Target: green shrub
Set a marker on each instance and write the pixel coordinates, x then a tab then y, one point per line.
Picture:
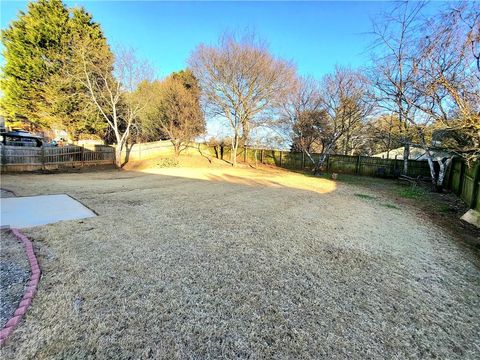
413	192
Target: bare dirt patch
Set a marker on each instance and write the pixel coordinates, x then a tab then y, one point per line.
243	263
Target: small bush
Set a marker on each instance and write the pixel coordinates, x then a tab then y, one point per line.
167	162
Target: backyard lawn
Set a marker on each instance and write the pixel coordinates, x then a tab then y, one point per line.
221	262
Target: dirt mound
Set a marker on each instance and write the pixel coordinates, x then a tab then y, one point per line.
191	161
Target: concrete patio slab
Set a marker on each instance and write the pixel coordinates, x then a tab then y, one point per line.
472	217
29	211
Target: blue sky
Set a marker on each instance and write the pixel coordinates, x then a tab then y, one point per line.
314	35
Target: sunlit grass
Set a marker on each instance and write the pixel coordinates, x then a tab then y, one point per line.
390	206
413	192
181	257
370	197
245	175
446	209
364	196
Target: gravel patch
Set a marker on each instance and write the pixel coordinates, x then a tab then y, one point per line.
14	274
244	263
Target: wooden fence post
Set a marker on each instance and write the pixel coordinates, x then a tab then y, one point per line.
357	165
462	178
281	152
450	174
4	158
475	192
303	160
82	155
244	154
43	158
261	156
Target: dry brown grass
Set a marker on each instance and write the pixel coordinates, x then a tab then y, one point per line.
242	263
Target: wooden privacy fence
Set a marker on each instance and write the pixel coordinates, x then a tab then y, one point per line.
461	179
359	165
17	158
465	182
151	150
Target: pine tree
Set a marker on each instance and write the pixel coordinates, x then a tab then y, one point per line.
68	98
41	80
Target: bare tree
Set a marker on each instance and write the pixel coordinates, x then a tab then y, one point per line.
241	81
303	118
311	134
321	113
304	96
383	133
449	83
394	71
111	87
345	99
173	112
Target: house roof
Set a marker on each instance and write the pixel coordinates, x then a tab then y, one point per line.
20	134
416	153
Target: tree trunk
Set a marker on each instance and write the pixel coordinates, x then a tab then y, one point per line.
233	156
437	180
443	171
245	132
121	141
318	166
406	155
432	171
323	157
389	144
176	148
347	141
311	159
118	155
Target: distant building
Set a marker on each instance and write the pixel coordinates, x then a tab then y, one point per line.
416	153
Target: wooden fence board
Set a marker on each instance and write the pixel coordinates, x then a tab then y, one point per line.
346	164
464	181
15	158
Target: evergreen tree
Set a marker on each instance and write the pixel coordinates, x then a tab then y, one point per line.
41	80
69	99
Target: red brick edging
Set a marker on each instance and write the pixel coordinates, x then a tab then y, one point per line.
29	292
